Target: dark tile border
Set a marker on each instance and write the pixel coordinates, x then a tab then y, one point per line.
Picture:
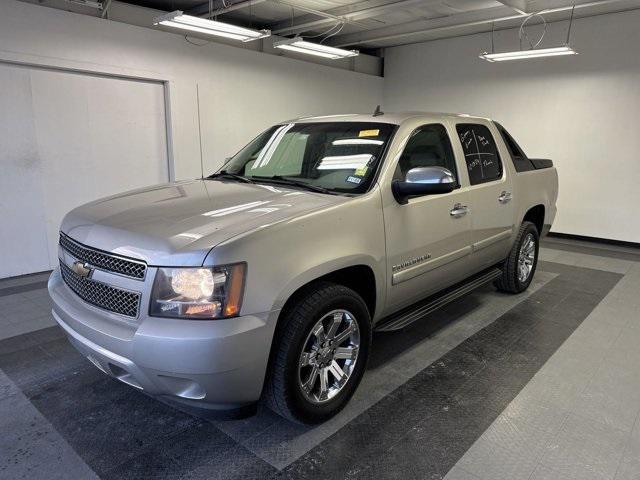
22	288
424	427
586	238
599	250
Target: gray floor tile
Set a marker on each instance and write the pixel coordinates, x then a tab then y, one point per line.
7	387
457	473
31	447
613	313
622	381
600	335
508	449
556	388
605	407
23	311
517	435
45	302
625	351
14	328
530	411
584	444
490	461
572	472
574	364
10	301
629	468
35	294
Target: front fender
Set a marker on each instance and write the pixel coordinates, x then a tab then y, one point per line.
284	256
326	268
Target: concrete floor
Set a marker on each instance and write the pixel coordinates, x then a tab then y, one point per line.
545	384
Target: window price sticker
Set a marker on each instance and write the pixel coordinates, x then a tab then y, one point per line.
369	133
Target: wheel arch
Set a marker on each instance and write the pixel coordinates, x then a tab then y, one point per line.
535	215
360	277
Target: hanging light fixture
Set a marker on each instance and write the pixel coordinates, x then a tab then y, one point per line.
523	54
178	19
534	51
299	45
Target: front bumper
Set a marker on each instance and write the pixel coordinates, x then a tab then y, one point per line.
216	364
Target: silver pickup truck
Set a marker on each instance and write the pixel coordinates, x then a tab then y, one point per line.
265	280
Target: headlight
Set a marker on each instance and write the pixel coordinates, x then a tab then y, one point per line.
203	293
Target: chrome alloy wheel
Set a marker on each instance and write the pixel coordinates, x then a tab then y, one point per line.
329	356
526	257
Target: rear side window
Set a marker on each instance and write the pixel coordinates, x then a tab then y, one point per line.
519	158
480	153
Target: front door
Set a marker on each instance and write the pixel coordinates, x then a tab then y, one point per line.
428	237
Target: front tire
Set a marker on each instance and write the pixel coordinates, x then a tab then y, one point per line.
520	265
320	354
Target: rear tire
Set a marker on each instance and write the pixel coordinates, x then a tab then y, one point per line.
520	266
303	384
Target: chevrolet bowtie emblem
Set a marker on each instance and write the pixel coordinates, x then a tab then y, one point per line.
81	268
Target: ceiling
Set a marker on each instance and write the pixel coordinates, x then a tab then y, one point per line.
373	24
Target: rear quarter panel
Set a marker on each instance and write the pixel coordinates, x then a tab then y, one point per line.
536	187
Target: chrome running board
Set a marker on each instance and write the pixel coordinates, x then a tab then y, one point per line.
416	312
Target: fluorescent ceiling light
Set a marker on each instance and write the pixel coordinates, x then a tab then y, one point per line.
302	46
210	27
522	54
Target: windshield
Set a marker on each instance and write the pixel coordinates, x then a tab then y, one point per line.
337	156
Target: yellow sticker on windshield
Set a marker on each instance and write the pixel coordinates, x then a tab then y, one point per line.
360	172
369	133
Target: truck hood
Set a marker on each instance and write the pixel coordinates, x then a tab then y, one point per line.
178	223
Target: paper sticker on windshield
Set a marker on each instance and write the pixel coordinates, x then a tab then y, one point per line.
369	133
352	179
360	172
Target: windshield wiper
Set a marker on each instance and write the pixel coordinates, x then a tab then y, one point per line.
225	174
290	181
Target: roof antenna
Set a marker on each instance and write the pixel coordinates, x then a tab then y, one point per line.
377	112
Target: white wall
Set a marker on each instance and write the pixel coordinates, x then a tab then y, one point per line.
581	111
66	139
279	87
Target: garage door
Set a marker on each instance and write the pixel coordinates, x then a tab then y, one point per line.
66	139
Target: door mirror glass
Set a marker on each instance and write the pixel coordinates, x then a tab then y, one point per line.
423	181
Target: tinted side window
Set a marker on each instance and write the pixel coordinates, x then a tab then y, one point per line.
512	146
520	160
480	153
428	146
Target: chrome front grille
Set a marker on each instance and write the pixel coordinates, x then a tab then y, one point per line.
101	295
103	260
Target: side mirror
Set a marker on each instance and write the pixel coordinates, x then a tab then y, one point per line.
423	181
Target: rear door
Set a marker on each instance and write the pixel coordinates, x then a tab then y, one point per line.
490	193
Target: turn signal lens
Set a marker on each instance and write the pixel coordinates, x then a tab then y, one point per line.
236	285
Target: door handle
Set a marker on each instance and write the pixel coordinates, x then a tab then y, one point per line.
458	210
505	197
